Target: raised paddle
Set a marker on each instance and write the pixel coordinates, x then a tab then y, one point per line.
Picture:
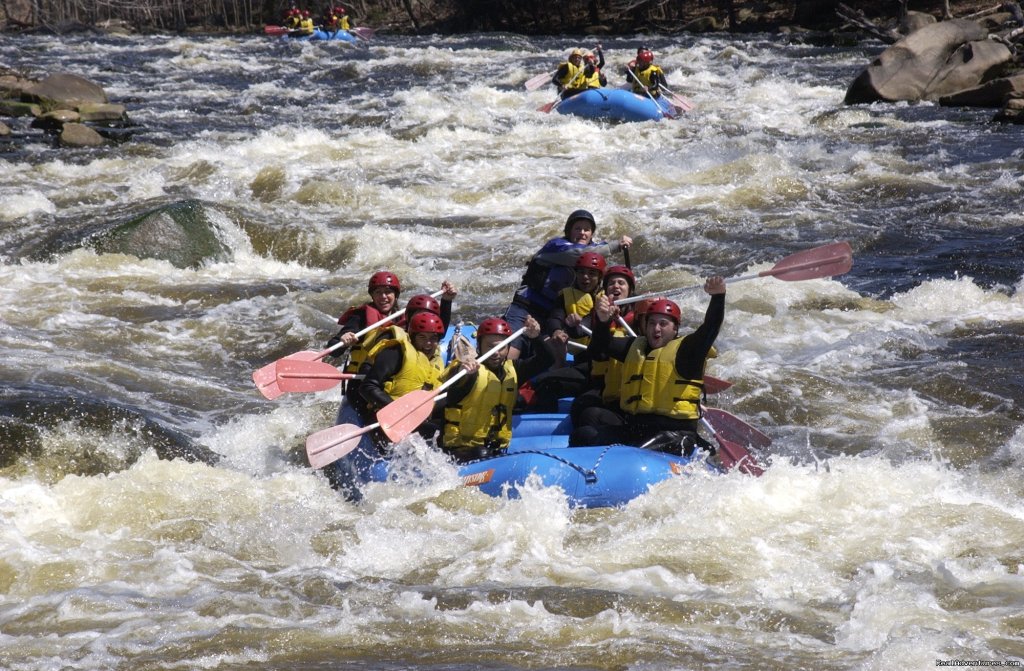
275	31
825	261
736	429
327	446
266	378
733	455
534	83
401	417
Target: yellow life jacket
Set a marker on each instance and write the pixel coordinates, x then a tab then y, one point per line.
651	386
593	81
610	371
574	77
417	371
485	414
343	22
579	302
306	26
645	76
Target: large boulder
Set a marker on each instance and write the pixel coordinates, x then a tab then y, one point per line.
934	60
64	91
990	94
79	135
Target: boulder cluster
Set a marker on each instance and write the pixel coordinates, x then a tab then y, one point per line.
73	109
960	62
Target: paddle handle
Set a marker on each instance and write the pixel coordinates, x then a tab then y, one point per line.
386	320
483	357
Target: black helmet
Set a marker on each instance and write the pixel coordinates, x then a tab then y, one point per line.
579	214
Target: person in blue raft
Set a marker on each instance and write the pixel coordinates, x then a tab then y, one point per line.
552	269
662	381
478	408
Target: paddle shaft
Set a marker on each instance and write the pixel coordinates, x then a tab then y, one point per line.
683	102
397	420
386	320
833	263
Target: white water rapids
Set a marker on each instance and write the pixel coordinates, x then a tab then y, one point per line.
887	532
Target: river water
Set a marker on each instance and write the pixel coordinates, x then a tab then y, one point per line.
273	178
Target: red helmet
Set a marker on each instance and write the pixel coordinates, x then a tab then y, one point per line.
644	55
664	306
493	326
421	302
339	10
305	13
591	260
641	307
426	322
385	279
622	271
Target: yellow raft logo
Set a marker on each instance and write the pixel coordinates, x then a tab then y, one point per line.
478	479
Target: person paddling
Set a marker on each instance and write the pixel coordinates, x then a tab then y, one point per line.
478	409
644	76
401	365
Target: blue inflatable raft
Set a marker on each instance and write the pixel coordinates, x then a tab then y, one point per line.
320	35
591	477
616	105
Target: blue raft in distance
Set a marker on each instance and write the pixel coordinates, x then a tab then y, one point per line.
616	105
320	35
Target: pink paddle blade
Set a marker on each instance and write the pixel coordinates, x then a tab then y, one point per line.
307	376
714	385
733	456
275	30
404	415
363	32
825	261
735	429
265	378
327	446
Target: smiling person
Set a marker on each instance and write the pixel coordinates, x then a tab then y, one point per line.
552	269
478	409
572	316
384	289
662	376
401	365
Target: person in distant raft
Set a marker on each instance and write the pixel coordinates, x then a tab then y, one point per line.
662	379
335	19
402	365
644	76
292	18
478	409
593	61
551	270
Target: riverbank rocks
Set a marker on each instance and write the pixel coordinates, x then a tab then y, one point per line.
1012	112
73	110
936	60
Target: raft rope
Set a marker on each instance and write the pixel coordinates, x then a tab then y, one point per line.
589	474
